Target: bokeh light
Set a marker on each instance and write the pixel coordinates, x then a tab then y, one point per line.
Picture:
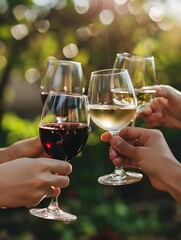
156	14
106	16
32	75
83	33
31	14
19	11
48	3
19	31
42	25
70	50
81	6
3	6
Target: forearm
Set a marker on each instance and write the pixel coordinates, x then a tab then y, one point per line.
5	188
31	148
4	156
173	182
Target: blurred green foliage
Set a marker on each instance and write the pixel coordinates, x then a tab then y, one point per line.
28	35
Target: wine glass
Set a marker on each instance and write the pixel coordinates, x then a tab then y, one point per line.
112	106
143	75
63	131
62	76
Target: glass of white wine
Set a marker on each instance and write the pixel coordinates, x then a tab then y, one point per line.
143	76
112	106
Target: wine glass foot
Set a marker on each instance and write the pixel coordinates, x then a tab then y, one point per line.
55	214
116	180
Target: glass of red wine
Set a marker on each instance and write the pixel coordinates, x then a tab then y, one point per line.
61	76
63	131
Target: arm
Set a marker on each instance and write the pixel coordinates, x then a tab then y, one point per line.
31	147
136	147
165	110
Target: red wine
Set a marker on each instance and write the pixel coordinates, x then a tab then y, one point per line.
63	140
44	96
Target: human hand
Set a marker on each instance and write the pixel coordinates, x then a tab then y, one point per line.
146	149
26	181
165	110
31	147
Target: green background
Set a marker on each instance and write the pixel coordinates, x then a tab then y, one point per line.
28	35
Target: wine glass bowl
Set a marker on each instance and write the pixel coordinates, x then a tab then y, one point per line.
143	76
63	131
62	76
112	106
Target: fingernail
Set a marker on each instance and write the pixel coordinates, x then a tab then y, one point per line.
158	88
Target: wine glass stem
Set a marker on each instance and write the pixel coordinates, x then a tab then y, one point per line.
133	122
54	203
118	172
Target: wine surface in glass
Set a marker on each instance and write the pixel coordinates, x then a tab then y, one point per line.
109	117
63	140
144	98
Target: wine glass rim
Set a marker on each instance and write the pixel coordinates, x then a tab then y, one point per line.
109	71
132	55
77	95
63	61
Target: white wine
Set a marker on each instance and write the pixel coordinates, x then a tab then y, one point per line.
145	97
111	118
122	97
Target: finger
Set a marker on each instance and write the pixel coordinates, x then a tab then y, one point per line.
147	112
60	167
60	181
105	137
123	147
131	133
112	153
120	160
155	118
164	91
53	191
57	191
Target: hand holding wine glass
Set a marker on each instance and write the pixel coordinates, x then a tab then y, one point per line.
63	130
112	106
142	72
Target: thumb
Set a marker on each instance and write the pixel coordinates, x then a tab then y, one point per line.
165	91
